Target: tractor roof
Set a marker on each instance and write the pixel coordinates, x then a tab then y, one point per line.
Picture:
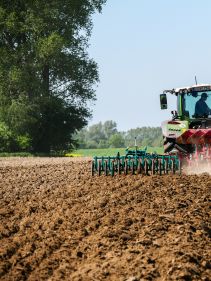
194	88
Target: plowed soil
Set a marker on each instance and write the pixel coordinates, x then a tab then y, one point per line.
59	223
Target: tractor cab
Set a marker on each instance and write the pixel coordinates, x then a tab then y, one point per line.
193	104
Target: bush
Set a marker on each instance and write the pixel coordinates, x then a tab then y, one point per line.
23	143
91	144
5	137
12	143
117	140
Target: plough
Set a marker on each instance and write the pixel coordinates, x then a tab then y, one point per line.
135	162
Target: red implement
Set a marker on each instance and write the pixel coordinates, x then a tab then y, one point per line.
195	136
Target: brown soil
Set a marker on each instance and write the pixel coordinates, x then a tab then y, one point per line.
59	223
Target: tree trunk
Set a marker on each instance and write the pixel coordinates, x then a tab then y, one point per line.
46	80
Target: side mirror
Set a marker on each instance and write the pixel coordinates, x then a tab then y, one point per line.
163	101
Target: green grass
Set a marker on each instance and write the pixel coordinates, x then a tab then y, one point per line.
82	152
15	154
111	151
28	154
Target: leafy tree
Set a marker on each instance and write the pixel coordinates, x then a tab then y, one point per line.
117	140
46	76
5	137
96	132
110	128
80	138
10	142
97	135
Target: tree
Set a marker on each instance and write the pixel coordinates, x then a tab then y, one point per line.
96	132
110	128
117	140
97	135
46	77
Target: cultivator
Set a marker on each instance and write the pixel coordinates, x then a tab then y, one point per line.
187	139
201	156
136	162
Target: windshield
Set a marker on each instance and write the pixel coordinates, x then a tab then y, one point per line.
197	104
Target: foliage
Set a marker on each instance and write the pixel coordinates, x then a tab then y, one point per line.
15	154
10	142
5	137
116	140
146	136
105	135
96	136
46	76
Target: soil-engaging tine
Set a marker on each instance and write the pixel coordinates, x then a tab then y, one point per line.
135	162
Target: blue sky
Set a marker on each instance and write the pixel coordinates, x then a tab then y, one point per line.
143	47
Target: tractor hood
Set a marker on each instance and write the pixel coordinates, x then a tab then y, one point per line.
174	128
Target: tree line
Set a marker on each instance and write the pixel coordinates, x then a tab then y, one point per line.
105	135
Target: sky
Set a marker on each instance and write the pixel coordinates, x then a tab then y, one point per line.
143	47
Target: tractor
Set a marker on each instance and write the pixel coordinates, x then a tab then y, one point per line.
186	138
188	133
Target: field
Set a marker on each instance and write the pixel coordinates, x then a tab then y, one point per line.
111	151
83	152
59	223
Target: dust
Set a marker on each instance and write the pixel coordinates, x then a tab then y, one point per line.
197	168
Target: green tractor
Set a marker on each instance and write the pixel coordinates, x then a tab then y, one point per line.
188	133
187	138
